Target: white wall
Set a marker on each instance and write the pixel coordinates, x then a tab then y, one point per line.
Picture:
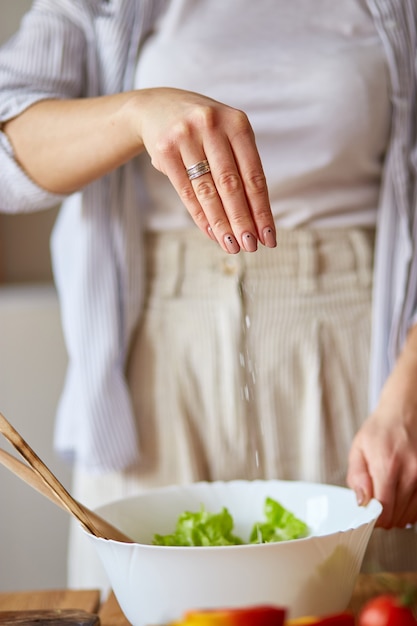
33	532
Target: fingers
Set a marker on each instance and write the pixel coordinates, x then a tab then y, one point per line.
387	480
372	481
241	186
203	203
251	173
218	206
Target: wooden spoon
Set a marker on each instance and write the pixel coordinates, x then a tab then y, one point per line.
39	476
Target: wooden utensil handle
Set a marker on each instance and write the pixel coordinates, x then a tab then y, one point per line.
30	477
24	449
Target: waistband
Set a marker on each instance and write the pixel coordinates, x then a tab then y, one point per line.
307	255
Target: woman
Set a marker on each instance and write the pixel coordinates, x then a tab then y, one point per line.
195	361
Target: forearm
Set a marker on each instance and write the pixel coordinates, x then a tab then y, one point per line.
399	394
64	145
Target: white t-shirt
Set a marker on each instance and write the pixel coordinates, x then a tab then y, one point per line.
311	77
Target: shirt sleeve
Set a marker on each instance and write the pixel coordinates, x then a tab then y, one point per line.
45	59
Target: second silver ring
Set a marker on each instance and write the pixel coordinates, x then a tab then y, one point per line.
198	169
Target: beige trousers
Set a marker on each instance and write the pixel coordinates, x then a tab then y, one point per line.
246	366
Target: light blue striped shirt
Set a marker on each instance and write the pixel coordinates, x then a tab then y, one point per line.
79	48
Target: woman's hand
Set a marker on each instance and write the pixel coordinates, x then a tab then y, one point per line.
180	129
66	144
383	456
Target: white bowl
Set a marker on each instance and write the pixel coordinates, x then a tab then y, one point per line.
310	576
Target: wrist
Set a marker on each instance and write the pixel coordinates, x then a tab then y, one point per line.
127	120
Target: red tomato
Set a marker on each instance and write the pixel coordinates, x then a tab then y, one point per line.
386	610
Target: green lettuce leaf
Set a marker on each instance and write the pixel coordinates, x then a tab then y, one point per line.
280	525
201	529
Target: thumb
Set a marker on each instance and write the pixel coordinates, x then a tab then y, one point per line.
358	477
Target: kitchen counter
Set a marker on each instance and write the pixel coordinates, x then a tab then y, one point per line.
368	585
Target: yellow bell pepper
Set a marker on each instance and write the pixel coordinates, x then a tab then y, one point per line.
345	618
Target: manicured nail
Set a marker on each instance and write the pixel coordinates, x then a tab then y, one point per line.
269	238
249	242
231	244
210	233
360	496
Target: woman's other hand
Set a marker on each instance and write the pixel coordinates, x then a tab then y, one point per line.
383	456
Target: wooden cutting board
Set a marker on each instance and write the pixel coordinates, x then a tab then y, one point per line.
111	614
86	600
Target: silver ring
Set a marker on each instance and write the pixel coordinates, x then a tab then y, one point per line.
198	169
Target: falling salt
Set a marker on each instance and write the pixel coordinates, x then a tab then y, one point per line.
247	390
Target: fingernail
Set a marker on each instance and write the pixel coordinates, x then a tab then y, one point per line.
360	496
210	233
269	238
249	242
231	244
